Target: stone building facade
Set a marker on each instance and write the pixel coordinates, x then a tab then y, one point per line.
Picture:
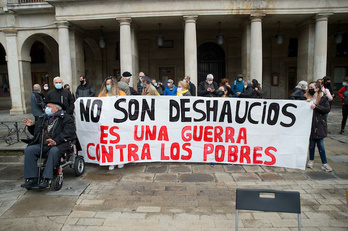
277	42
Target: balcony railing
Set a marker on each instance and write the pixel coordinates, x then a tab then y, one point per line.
23	1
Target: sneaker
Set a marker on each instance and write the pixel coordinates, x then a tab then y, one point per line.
120	166
310	164
111	167
341	132
327	168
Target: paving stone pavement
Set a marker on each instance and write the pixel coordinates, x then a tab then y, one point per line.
174	196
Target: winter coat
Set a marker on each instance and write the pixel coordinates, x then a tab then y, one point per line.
184	93
167	91
124	86
192	89
298	94
64	96
63	131
250	92
85	91
151	90
237	87
343	96
37	104
203	86
319	123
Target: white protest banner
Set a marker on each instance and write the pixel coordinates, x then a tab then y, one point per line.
120	130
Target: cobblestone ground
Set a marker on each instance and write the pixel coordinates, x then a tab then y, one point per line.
162	196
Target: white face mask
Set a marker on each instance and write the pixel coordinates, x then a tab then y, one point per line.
46	88
245	86
179	89
209	82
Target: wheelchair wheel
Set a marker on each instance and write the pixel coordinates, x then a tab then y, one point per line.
79	166
58	182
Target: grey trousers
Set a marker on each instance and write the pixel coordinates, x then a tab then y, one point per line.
32	154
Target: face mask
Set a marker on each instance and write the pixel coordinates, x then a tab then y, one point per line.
58	86
168	84
155	84
179	89
46	88
142	85
245	86
108	87
48	111
240	79
128	78
82	81
209	82
344	84
311	91
184	80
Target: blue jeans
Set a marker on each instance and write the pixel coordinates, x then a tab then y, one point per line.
320	144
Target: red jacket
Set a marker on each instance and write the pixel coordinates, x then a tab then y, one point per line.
341	93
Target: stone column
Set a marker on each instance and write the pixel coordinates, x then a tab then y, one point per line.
191	48
320	46
14	77
245	51
65	71
256	47
135	59
126	61
305	51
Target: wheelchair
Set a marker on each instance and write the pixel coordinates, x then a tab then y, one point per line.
71	159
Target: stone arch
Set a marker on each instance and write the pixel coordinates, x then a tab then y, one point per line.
40	73
5	101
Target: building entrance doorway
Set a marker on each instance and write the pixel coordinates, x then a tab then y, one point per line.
211	60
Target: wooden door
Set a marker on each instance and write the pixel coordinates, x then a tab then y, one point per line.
166	73
292	79
40	78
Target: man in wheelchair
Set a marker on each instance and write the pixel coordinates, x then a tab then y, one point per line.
52	133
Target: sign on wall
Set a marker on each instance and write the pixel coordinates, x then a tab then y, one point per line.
120	130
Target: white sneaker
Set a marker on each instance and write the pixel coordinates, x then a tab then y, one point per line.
310	164
120	165
327	168
111	167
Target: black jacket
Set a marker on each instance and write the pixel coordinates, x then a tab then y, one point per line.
192	89
319	123
298	94
63	131
84	91
202	91
64	96
250	92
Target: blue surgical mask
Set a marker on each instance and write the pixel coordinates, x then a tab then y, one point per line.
48	111
155	84
142	85
168	84
108	87
344	84
58	86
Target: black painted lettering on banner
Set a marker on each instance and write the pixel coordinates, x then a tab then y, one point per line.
288	114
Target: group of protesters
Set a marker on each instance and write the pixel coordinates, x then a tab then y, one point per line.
57	115
320	94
